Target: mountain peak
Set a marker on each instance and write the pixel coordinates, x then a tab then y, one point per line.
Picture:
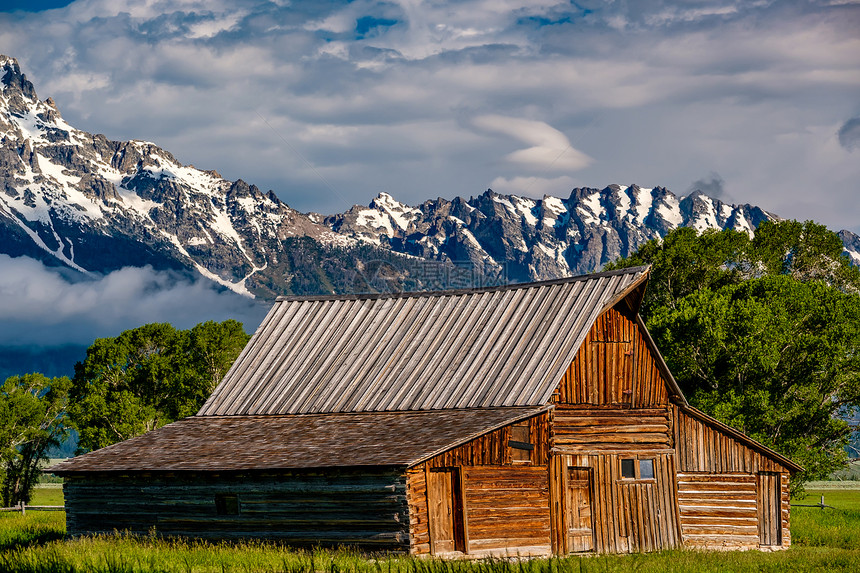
13	80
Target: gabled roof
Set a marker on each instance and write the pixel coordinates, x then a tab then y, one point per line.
269	443
479	348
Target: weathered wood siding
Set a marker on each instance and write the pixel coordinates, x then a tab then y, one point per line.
722	502
612	404
363	508
494	449
718	510
593	430
704	447
614	366
505	502
507	508
630	514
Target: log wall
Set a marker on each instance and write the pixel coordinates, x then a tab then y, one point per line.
366	508
583	429
713	464
614	366
718	510
506	502
507	508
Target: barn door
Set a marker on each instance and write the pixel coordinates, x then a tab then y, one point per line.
580	524
769	519
445	508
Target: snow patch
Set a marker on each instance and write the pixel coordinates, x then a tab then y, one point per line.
525	207
507	204
592	211
375	220
399	213
670	211
644	202
73	196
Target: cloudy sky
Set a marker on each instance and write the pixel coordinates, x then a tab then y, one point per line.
329	103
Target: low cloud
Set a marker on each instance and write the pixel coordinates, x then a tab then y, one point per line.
549	148
849	134
42	306
712	186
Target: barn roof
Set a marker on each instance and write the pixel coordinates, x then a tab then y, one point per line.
260	443
478	348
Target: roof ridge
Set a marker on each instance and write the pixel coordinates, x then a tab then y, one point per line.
450	292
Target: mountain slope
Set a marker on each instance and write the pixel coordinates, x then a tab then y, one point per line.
77	200
529	239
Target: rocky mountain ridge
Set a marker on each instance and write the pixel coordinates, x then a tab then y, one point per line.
73	199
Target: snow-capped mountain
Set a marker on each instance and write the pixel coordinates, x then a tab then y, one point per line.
71	198
531	239
82	201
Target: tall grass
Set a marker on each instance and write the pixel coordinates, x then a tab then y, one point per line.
822	540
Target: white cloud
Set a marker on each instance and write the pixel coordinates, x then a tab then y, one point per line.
648	93
43	306
549	148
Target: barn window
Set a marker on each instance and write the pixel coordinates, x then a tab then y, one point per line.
520	443
646	469
226	504
628	469
637	469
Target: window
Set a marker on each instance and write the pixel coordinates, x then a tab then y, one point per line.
520	443
628	469
226	504
637	469
646	469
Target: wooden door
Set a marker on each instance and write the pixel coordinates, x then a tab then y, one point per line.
445	508
769	518
580	517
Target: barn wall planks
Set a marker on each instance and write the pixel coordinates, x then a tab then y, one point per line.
614	366
494	449
419	524
366	508
718	510
630	514
507	507
505	502
703	447
504	508
710	460
581	429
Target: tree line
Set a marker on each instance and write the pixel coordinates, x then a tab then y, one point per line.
762	332
138	381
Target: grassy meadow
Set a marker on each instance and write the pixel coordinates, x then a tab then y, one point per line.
822	540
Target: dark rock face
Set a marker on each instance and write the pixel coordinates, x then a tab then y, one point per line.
79	200
533	239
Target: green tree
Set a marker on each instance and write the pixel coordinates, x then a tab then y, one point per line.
32	420
774	357
763	333
148	377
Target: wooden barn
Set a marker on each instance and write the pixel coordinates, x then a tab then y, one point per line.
527	419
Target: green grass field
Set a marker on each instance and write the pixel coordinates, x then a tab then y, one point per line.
823	540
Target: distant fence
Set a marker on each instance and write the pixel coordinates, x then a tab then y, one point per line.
24	508
819	505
